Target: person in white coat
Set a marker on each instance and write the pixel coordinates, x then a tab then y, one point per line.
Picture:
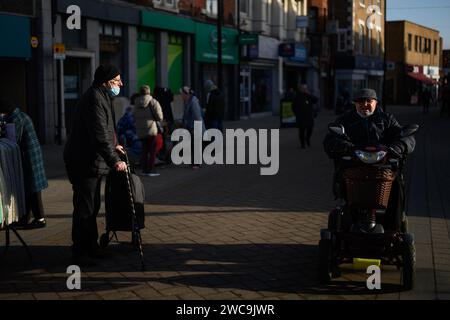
148	115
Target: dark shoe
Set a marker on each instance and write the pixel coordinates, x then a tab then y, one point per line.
18	226
36	224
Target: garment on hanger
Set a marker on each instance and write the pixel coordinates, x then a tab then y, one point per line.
13	190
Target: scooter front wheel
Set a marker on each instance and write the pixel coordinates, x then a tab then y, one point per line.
325	268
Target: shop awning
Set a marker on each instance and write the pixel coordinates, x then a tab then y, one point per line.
421	77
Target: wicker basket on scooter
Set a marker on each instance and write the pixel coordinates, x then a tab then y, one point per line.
368	187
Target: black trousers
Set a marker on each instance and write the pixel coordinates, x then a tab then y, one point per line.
305	133
86	204
34	206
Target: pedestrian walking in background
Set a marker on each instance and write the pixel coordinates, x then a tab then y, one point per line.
303	107
148	115
126	130
215	106
445	97
32	163
91	150
165	98
192	113
426	100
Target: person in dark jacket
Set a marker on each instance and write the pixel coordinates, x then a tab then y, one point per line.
426	100
303	107
368	124
165	98
215	106
90	152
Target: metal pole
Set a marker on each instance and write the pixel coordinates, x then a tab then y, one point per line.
219	44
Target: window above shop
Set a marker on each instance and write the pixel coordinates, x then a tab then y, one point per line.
170	5
245	7
211	8
111	30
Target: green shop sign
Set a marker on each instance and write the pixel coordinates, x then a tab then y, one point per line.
248	38
206	43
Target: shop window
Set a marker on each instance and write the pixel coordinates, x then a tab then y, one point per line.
378	43
269	11
166	4
111	45
244	6
146	58
175	62
361	38
118	31
108	30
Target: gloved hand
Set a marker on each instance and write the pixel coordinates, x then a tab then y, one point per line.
399	147
344	146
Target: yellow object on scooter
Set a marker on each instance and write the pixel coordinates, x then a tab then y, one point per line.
363	264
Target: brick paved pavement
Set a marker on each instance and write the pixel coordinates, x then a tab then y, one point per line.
225	232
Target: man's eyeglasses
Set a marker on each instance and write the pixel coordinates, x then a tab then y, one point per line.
365	100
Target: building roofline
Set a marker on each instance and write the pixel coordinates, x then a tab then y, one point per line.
414	23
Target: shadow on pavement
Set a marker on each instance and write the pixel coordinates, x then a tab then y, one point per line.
278	268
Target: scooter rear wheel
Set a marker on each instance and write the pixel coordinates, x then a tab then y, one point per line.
409	263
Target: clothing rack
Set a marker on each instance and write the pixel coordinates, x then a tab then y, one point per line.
11	188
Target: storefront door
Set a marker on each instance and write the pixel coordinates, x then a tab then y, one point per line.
261	93
77	79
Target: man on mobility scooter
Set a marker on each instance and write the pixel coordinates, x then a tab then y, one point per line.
369	149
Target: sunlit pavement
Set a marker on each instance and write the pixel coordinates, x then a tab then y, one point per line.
226	232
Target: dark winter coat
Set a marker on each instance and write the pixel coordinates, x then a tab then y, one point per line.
90	149
303	107
380	128
215	106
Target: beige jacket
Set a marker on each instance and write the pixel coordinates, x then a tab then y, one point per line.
145	122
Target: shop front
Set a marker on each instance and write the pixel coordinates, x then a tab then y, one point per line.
164	53
417	79
261	72
206	56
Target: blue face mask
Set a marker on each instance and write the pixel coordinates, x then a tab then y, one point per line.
114	91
